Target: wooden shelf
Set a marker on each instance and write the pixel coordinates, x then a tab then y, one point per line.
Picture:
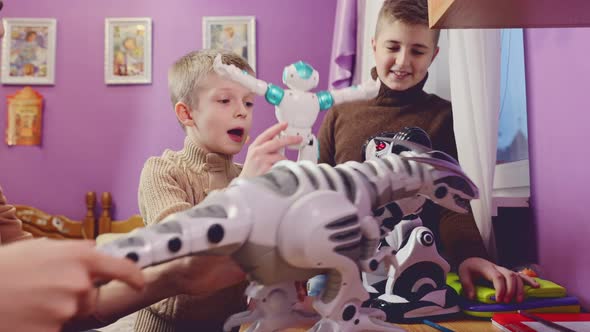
479	14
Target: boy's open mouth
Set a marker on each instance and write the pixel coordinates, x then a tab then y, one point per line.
236	134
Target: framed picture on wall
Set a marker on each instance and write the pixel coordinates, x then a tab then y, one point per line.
28	51
128	50
231	33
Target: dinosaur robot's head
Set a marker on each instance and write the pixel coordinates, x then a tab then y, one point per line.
386	143
412	143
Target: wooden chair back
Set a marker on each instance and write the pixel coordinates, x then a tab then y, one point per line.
42	224
106	224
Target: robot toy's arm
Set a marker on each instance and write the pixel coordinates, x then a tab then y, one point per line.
367	90
242	77
207	229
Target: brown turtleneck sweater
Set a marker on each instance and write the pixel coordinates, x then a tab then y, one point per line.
176	181
346	128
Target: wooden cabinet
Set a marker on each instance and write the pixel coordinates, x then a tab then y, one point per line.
453	14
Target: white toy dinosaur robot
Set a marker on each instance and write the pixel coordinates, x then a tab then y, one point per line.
298	106
297	221
415	287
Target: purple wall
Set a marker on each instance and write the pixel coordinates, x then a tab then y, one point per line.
97	137
558	80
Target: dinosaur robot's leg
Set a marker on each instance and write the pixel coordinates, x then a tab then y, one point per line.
323	231
375	281
273	309
416	285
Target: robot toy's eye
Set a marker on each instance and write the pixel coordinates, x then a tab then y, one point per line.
426	238
380	146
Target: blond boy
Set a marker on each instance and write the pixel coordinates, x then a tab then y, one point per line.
216	115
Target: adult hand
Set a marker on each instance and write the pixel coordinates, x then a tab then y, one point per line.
44	282
10	226
266	149
202	275
508	284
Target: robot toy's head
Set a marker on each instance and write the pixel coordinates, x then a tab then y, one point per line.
300	76
407	139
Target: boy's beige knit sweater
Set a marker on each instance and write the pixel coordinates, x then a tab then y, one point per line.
174	182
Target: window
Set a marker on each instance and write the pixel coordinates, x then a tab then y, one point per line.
512	127
512	165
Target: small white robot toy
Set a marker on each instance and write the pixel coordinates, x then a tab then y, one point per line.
297	221
414	287
297	105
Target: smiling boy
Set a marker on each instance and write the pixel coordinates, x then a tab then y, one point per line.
404	48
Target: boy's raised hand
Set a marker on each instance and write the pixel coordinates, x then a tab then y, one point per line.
45	283
266	149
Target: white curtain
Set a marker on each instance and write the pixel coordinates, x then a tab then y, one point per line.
474	63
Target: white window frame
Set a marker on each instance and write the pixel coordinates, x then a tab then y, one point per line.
512	187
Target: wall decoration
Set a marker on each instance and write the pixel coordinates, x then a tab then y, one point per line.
28	51
128	50
25	113
231	33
